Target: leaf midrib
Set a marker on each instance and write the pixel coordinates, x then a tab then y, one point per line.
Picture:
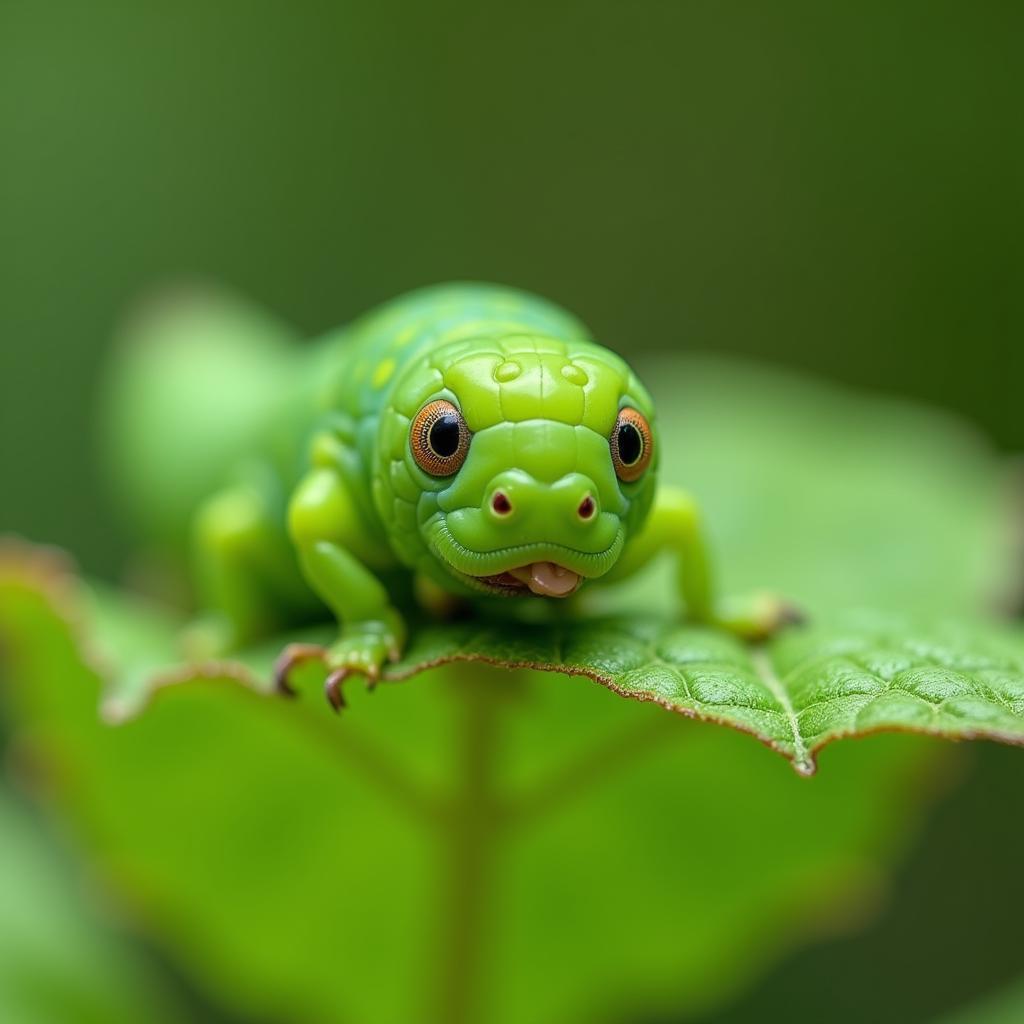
765	670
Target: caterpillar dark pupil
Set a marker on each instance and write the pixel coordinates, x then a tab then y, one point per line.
444	436
631	444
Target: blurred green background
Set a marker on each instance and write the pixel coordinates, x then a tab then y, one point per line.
833	187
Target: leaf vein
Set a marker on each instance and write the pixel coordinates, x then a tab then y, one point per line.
766	672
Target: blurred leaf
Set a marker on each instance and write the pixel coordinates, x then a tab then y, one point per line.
296	863
56	961
836	498
1003	1007
196	337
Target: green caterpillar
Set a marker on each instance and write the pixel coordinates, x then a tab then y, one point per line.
471	435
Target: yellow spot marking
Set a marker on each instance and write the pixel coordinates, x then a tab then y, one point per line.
383	373
407	335
507	371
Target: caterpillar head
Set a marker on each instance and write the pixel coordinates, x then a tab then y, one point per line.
516	466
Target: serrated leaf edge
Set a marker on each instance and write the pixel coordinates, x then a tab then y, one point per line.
50	573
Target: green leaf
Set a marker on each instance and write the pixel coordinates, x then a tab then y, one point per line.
298	865
58	962
805	689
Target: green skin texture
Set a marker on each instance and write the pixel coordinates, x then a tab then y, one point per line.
541	400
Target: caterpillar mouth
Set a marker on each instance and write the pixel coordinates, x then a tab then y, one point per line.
541	569
546	579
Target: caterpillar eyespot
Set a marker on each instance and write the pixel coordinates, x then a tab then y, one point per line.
439	438
632	445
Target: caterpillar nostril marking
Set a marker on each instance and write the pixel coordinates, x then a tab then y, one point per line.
501	504
587	508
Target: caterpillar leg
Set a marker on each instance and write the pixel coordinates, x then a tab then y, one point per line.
249	581
334	551
675	524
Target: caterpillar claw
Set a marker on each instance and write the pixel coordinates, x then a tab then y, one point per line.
290	658
333	688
